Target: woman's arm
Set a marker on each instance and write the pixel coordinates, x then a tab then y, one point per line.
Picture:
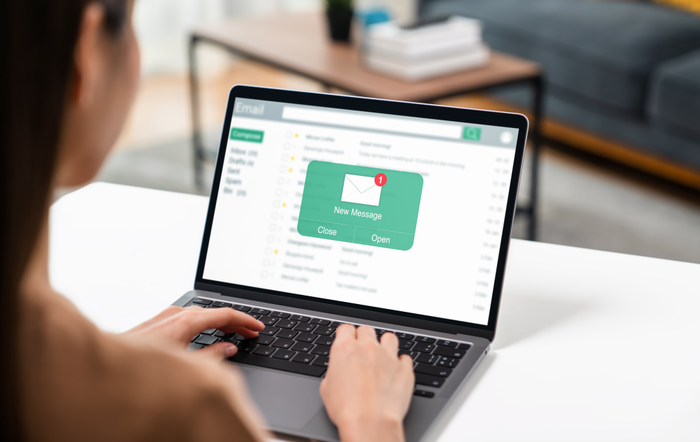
367	389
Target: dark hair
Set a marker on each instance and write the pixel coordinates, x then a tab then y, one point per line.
37	42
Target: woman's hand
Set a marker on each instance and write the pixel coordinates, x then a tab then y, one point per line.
367	389
178	326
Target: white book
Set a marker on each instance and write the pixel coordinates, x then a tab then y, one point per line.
418	71
453	28
423	52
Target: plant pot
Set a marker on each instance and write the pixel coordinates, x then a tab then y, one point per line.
339	23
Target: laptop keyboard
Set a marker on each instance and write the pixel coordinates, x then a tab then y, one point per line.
301	344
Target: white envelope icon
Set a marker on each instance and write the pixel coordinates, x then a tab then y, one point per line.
361	190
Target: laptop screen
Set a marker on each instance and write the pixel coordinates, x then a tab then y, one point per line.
392	212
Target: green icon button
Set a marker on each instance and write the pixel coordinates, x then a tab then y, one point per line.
471	133
360	205
248	135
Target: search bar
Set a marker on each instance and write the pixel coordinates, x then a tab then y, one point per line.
377	122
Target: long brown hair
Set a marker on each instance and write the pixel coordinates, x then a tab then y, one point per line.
37	42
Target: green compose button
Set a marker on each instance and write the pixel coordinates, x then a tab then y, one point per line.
317	229
251	136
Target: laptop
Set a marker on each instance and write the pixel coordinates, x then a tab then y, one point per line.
329	209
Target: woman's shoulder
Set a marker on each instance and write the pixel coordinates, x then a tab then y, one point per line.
84	384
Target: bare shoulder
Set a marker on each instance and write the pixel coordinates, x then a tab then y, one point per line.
82	384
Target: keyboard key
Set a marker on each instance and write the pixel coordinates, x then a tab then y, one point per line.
263	350
287	334
206	340
320	361
444	343
209	331
279	364
256	316
219	304
405	336
269	331
423	393
304	327
424	348
283	354
267	320
202	301
299	318
324	340
450	352
285	323
283	343
412	354
303	347
321	350
240	308
319	321
237	337
263	340
405	344
379	331
279	315
426	379
447	362
336	324
427	358
219	334
306	337
463	346
192	346
302	358
432	370
425	339
246	347
260	311
321	330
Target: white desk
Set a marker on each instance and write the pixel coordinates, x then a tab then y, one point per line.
590	345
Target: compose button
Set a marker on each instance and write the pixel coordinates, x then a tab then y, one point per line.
248	135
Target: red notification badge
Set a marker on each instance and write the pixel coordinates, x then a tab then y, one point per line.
380	179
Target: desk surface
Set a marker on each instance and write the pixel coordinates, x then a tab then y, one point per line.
590	345
299	43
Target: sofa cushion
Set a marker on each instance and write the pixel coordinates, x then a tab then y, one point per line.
674	99
599	52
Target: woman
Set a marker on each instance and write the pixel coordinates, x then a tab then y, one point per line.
70	71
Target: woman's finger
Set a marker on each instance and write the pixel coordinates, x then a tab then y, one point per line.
344	331
220	350
365	333
390	343
194	321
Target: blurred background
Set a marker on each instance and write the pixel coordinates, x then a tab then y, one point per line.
619	171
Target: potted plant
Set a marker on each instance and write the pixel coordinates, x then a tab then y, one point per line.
339	13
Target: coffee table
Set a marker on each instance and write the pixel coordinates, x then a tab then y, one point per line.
298	43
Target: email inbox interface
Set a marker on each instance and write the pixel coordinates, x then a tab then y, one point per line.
385	220
360	205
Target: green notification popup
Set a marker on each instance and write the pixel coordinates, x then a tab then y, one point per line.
360	205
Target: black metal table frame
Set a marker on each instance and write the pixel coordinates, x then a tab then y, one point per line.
536	83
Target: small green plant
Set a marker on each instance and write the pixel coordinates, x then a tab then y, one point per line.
339	5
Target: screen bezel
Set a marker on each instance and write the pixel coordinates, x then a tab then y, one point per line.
377	106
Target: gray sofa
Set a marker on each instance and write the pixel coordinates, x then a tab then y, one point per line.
627	71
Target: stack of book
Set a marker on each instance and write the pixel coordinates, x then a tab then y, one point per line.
425	50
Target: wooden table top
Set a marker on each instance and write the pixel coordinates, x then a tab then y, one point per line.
299	43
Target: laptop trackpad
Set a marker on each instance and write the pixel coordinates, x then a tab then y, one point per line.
285	401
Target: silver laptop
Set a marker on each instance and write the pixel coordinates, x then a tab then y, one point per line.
330	209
